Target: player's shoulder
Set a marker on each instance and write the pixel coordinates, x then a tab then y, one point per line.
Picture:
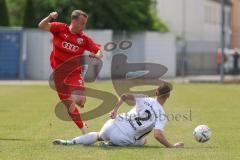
144	99
84	35
155	104
149	99
141	97
158	107
59	25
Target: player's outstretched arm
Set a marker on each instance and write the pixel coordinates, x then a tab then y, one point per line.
45	23
122	99
159	136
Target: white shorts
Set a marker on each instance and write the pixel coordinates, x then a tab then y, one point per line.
110	132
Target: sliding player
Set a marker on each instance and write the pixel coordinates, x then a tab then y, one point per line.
70	41
131	128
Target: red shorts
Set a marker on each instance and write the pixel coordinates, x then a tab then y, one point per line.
74	80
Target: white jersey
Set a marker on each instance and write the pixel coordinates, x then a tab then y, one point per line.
139	121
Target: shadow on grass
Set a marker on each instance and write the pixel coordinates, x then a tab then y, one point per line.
117	147
13	139
129	147
113	147
142	147
199	147
155	147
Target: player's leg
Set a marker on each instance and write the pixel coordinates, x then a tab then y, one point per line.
106	130
140	142
87	139
117	138
80	100
111	133
73	112
90	138
74	80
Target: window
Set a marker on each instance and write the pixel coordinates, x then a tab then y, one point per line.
212	14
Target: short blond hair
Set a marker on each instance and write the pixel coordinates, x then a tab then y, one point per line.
76	13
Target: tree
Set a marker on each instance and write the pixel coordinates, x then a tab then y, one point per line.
130	15
3	14
15	9
29	12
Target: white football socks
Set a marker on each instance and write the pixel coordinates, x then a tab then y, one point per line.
89	138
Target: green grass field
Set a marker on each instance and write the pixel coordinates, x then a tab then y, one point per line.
28	125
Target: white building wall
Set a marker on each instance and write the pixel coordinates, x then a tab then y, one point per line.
103	37
212	22
194	13
151	47
199	23
195	17
171	12
38	49
160	49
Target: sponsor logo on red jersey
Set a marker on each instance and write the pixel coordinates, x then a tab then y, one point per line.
70	46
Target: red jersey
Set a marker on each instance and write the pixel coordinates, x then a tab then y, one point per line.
67	45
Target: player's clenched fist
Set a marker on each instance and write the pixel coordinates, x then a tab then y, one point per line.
113	114
53	15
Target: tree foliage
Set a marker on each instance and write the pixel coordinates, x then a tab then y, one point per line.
131	15
3	14
28	18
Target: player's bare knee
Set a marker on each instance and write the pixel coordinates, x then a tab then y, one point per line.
79	100
69	104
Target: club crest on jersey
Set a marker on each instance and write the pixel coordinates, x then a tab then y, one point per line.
80	40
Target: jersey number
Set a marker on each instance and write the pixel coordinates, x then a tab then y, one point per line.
139	119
